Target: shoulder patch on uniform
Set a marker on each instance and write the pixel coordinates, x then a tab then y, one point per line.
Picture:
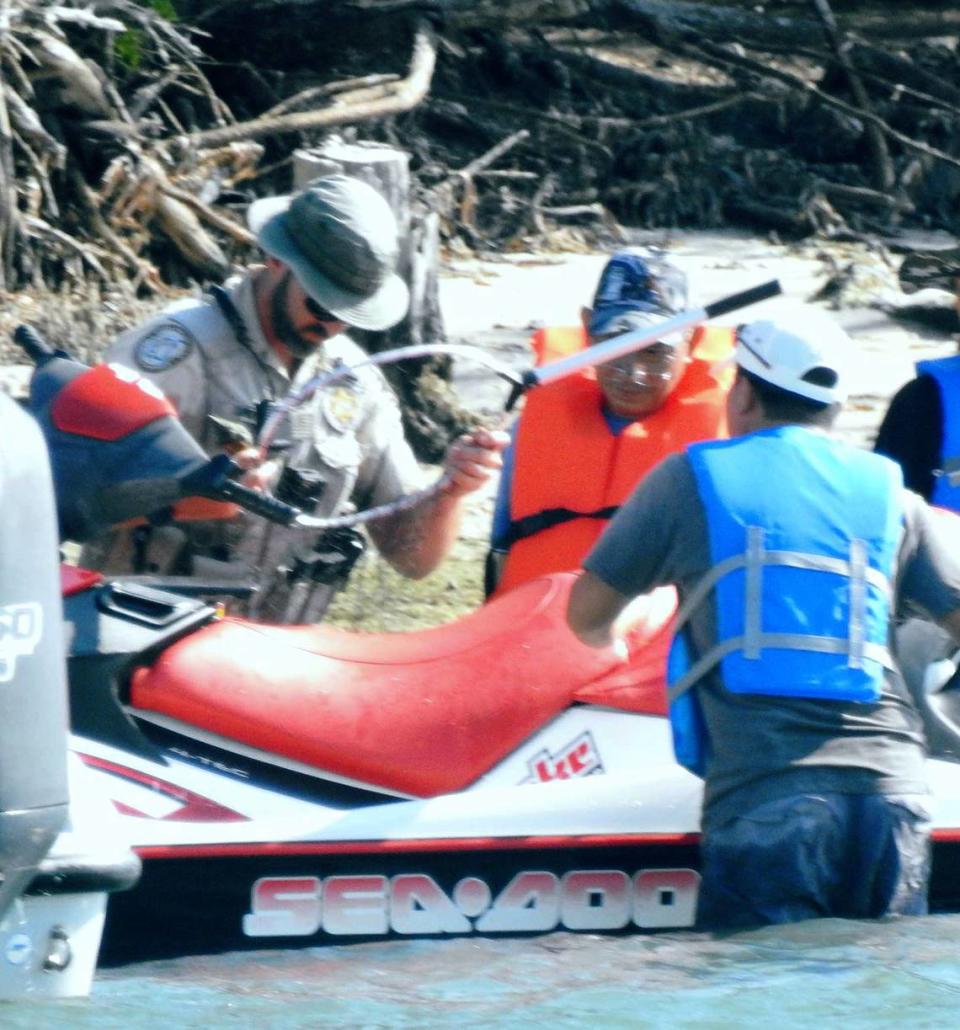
163	347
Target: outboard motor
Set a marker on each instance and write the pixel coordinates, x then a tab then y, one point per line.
33	689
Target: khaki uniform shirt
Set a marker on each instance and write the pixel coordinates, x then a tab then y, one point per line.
350	431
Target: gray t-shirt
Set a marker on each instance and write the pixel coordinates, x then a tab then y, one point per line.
762	748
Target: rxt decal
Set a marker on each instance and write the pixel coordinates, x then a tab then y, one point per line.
579	757
21	626
414	904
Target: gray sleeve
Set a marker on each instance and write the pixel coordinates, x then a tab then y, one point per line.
178	369
929	574
658	536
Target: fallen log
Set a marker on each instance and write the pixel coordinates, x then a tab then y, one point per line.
861	195
179	222
754	26
405	94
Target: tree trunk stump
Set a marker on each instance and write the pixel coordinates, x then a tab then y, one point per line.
431	413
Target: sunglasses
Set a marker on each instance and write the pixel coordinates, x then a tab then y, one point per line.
319	313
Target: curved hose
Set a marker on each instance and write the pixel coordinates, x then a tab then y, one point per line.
303	393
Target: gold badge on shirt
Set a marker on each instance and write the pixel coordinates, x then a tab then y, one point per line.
341	405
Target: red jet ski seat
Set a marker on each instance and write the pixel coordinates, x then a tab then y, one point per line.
419	713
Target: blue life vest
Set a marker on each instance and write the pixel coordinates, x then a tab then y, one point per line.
946	374
803	534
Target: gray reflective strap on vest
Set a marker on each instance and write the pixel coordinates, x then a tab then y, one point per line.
855	569
753	593
951	469
857	628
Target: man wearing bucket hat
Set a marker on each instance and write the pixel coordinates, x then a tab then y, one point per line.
582	443
331	251
792	553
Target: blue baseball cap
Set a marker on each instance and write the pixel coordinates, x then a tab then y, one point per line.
631	282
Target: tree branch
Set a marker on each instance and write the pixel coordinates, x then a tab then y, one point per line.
406	95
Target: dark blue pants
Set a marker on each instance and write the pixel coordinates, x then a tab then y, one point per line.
855	856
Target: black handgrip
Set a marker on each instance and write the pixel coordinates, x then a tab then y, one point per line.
37	348
215	480
264	505
741	300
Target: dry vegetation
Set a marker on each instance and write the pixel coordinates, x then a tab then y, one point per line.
134	135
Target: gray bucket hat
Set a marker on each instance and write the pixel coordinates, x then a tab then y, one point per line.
339	237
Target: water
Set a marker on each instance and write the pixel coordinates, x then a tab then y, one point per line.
903	973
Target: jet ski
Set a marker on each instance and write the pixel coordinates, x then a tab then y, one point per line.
292	785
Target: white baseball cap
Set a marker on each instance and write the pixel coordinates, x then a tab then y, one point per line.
786	355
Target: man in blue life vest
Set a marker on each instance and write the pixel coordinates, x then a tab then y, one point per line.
582	443
920	430
921	427
793	553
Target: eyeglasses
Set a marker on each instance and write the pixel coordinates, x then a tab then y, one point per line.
319	313
657	359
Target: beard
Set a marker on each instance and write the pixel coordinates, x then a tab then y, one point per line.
286	331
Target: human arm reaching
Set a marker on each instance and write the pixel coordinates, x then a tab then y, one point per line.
416	541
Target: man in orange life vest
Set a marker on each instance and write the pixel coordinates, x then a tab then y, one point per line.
582	443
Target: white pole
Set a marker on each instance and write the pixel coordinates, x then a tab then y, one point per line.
638	339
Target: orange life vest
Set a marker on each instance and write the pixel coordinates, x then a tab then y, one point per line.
570	473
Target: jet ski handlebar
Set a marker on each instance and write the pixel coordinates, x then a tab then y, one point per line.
215	481
37	348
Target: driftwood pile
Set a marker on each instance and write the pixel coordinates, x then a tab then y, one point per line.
132	136
94	165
